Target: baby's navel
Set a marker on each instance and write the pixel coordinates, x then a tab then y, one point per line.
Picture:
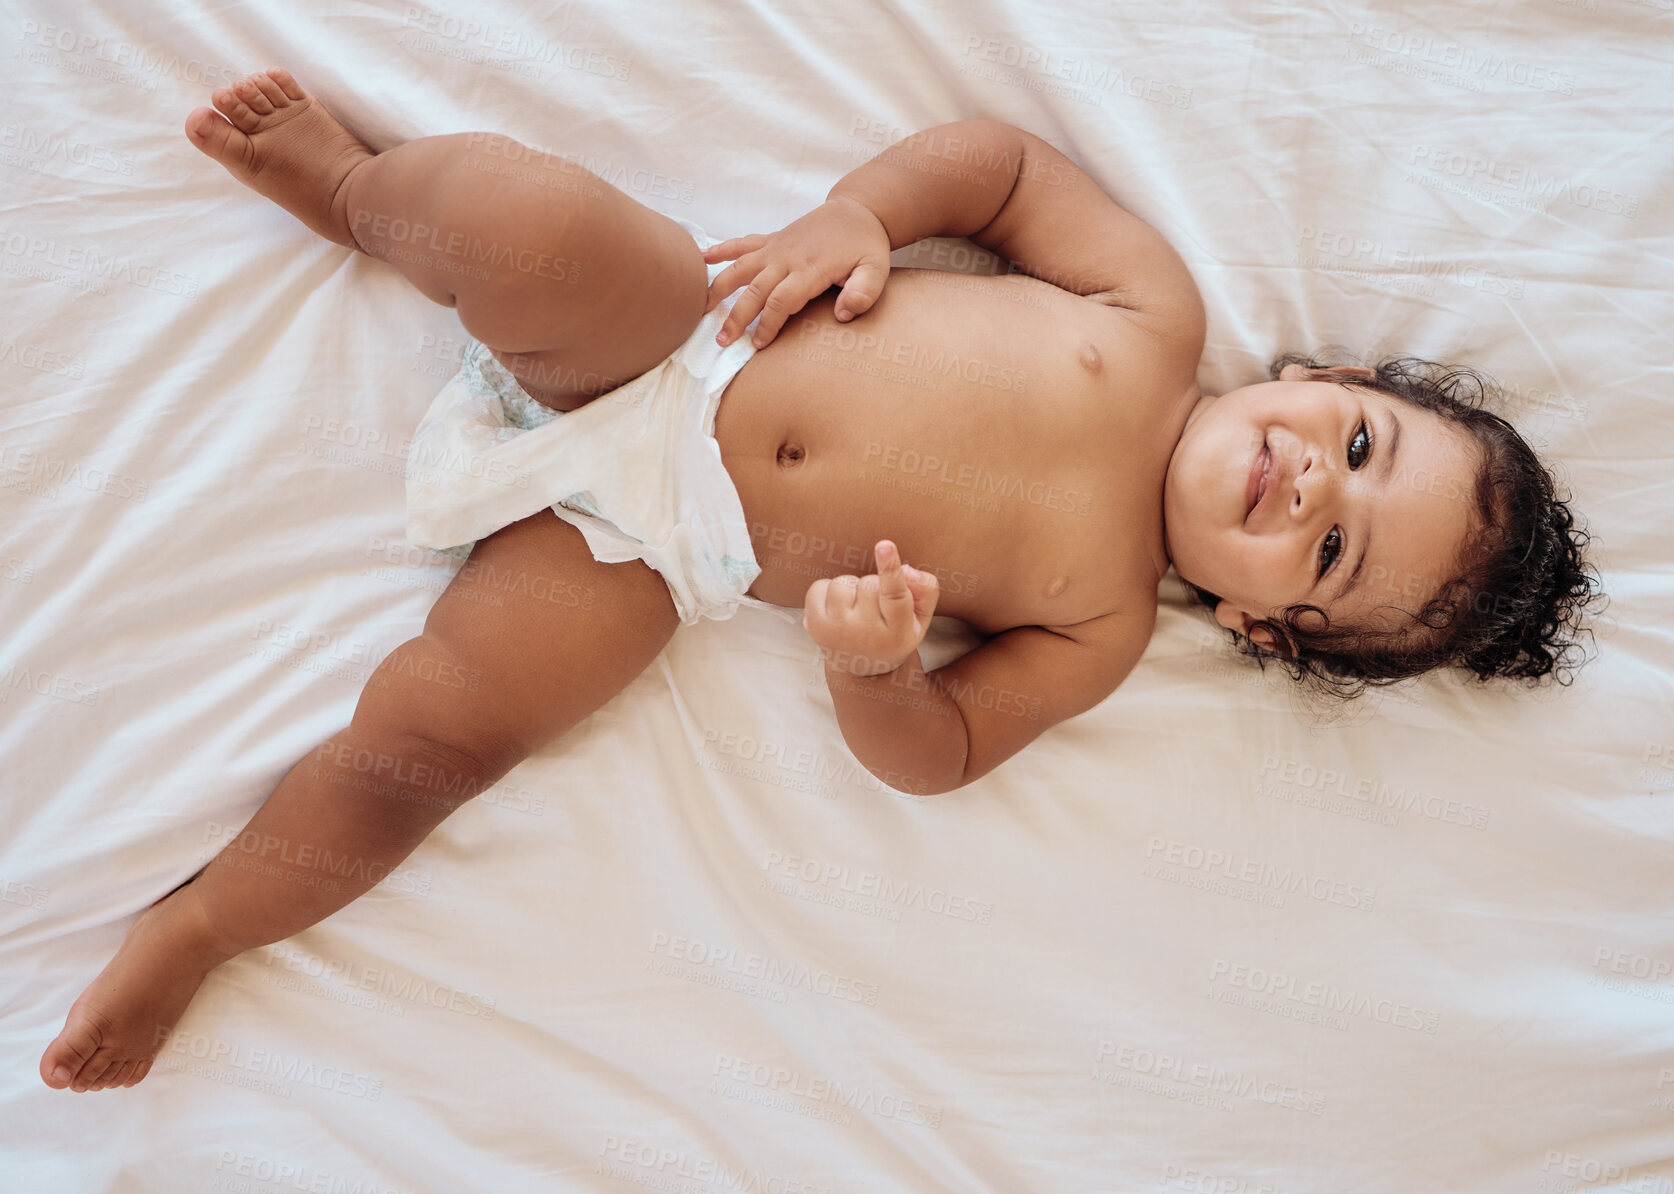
790	455
1057	585
1091	361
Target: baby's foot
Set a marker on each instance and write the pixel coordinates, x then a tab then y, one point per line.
115	1029
282	143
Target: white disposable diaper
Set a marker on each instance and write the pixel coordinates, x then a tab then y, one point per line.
636	470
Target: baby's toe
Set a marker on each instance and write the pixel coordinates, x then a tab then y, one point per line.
271	91
253	97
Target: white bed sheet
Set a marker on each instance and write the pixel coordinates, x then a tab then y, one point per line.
693	946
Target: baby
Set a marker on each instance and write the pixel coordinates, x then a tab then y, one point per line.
1034	444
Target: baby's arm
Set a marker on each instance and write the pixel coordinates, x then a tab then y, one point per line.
930	732
1014	194
1005	189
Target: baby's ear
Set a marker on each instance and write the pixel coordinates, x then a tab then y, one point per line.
1234	618
1263	638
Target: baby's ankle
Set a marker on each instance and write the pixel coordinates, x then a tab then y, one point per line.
186	929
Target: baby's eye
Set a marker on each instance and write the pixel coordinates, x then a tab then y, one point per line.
1364	432
1333	544
1328	550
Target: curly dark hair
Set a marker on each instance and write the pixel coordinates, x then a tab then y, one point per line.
1521	585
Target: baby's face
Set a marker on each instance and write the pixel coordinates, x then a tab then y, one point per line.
1365	502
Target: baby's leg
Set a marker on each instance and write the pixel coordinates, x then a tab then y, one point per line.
576	287
530	637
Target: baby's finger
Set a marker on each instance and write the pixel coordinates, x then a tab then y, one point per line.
813	601
749	304
925	592
865	284
789	297
895	599
888	557
840	596
726	250
729	280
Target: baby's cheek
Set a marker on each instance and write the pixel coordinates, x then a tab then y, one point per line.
1276	576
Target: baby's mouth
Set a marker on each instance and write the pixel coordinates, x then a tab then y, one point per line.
1256	488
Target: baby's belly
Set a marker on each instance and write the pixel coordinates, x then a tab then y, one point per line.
977	445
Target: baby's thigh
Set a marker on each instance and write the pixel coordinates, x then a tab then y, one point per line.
542	634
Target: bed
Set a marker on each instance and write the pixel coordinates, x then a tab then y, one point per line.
1199	940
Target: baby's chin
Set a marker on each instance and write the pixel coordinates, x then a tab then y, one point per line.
1196	548
1184	529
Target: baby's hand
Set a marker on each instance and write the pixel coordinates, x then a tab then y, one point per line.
838	243
869	625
